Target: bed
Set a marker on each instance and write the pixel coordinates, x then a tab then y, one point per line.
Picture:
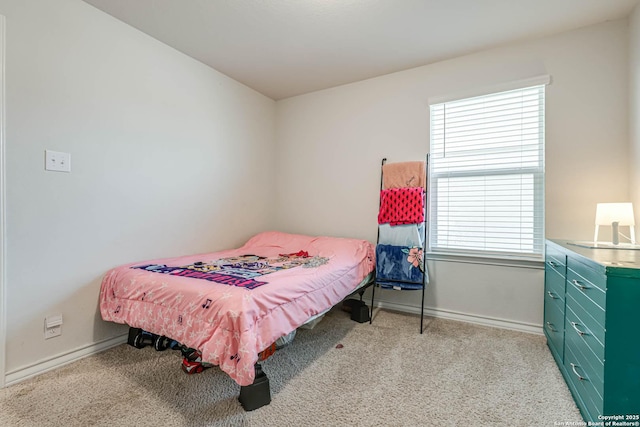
233	304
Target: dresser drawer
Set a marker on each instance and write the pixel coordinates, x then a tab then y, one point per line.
554	298
588	273
554	325
585	286
584	326
581	297
578	335
555	259
581	381
554	283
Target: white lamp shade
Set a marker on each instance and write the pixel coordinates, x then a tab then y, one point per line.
607	213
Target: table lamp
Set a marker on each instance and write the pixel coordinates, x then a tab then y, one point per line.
615	215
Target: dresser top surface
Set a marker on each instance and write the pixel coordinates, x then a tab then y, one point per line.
621	261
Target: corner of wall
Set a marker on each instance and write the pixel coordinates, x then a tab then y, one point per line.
634	106
3	303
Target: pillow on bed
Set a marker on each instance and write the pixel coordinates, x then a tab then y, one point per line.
281	240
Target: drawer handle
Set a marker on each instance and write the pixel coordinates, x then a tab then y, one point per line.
575	326
573	368
580	285
551	328
551	294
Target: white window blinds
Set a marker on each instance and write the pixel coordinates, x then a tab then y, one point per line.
486	186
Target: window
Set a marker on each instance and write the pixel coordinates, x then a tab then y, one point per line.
486	186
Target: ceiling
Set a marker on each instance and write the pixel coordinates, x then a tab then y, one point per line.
283	48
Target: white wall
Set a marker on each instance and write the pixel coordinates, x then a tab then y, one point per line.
330	144
168	157
634	108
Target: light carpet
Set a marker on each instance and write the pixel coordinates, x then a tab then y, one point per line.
384	374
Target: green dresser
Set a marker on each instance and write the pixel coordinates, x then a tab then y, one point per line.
592	325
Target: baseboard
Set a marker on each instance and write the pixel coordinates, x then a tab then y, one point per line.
464	317
46	365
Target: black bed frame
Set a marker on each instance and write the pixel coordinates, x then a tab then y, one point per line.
258	394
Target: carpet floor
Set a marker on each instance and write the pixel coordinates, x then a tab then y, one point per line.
341	373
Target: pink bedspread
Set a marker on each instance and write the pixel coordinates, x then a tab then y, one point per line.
233	304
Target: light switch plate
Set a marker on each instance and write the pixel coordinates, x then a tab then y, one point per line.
57	161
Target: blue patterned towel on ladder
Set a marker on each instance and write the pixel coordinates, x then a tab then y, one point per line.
399	267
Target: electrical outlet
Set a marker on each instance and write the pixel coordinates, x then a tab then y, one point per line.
52	332
57	161
52	326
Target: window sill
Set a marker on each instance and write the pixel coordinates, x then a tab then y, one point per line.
519	262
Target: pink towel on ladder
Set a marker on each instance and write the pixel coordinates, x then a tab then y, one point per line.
401	206
403	174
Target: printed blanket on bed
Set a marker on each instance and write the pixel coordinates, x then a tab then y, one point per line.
398	266
233	304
